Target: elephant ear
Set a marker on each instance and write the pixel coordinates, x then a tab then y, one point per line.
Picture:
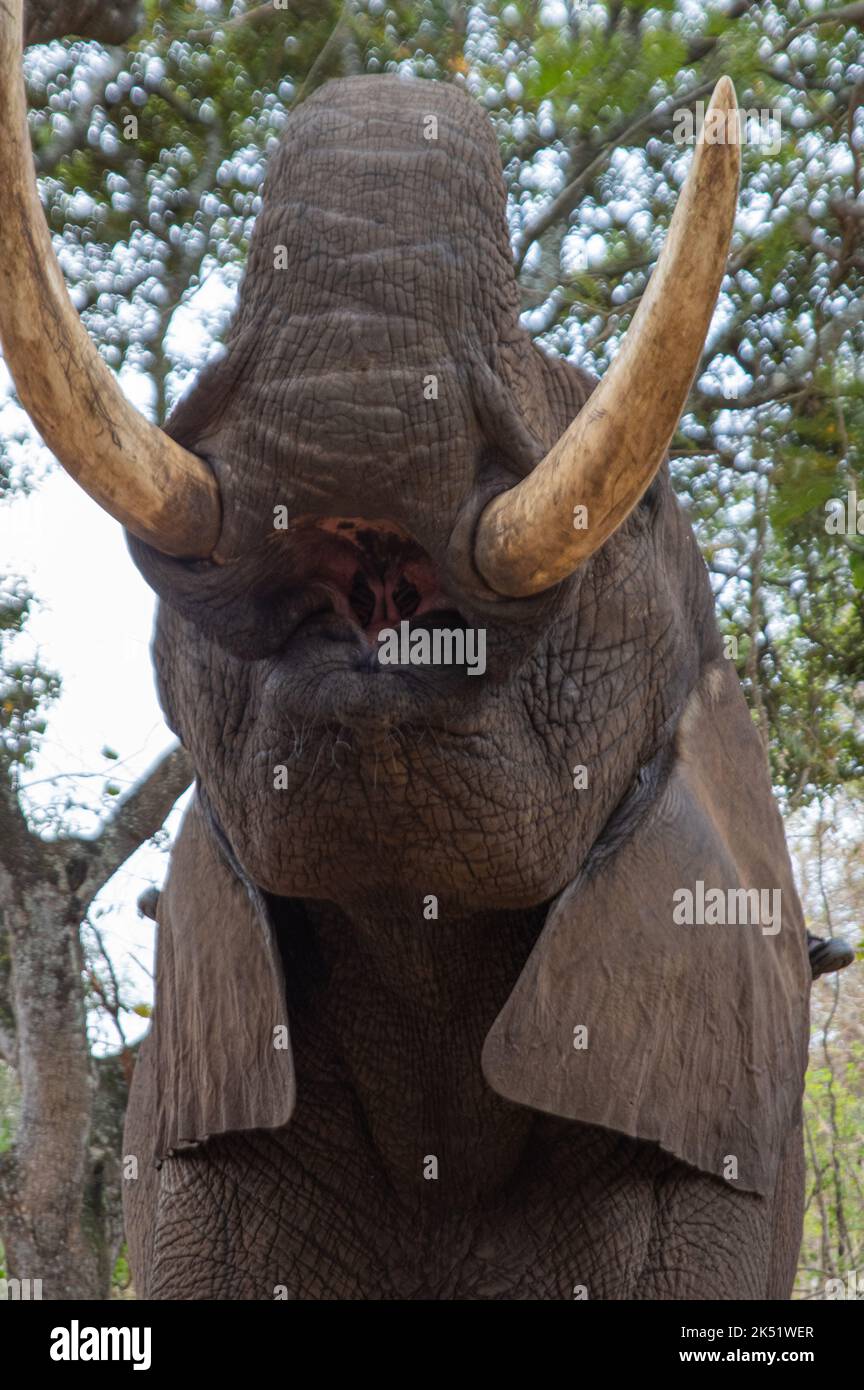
695	1035
220	1031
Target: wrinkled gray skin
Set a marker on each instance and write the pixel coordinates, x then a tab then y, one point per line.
402	785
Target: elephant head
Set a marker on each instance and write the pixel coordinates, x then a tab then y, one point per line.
381	443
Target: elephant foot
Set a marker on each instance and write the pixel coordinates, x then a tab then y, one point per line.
828	956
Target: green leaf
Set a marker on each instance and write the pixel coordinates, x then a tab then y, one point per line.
804	490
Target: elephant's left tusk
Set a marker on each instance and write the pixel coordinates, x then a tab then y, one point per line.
604	461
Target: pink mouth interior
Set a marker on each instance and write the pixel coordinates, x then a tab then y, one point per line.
374	572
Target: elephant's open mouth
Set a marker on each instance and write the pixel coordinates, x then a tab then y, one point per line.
377	640
372	578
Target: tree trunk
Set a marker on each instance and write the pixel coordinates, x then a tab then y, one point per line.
45	1185
60	1185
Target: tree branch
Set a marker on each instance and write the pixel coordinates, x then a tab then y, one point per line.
89	864
847	14
21	852
340	30
107	21
255	19
567	199
698	48
827	342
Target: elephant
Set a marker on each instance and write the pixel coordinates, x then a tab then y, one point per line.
431	1021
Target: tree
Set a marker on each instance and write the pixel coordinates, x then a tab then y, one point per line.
60	1178
829	855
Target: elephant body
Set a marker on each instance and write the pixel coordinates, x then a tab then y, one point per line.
465	983
338	1204
599	1217
425	1024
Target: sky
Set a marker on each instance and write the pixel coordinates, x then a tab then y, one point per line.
92	624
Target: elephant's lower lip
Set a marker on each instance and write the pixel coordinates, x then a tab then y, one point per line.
336	630
328	674
332	627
